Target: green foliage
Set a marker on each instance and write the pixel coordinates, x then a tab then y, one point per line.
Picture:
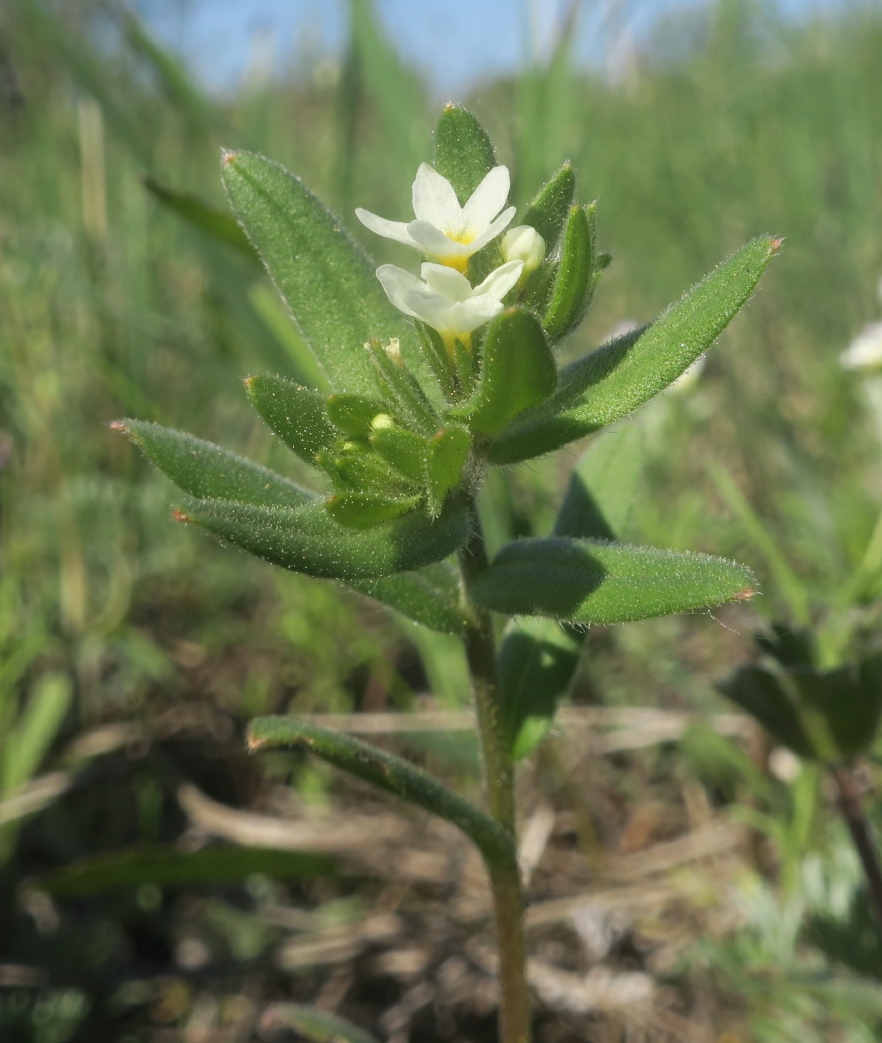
327	282
388	772
550	208
312	1024
464	153
305	539
517	372
831	716
593	581
612	381
168	867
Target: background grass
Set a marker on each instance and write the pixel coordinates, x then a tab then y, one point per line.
730	124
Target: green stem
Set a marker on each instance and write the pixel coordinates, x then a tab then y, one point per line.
505	880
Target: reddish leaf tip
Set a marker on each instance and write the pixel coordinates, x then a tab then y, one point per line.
118	425
228	155
179	515
744	595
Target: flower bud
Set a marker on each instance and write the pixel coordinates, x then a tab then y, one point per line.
524	243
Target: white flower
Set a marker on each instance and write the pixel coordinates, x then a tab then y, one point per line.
443	229
524	243
444	299
865	351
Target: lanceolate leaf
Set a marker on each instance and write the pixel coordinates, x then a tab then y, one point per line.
430	596
537	661
601	490
205	470
613	380
388	772
463	152
575	277
305	539
548	211
517	371
295	413
593	581
220	226
326	279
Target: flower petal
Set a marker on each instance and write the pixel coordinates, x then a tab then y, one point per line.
434	242
435	201
401	287
467	316
447	281
486	201
501	279
493	229
397	230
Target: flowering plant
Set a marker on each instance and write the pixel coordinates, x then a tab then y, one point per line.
430	381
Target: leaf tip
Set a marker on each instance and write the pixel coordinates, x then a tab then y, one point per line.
120	426
180	516
744	595
775	245
227	156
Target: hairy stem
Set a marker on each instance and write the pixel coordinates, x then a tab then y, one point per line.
505	880
852	811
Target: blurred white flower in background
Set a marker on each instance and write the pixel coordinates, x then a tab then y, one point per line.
865	351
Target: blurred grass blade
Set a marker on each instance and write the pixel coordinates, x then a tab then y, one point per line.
168	866
29	737
610	382
213	222
271	311
387	772
601	491
306	539
788	583
396	90
182	93
204	470
279	1020
593	581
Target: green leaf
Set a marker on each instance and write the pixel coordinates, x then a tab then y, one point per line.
592	581
204	470
549	210
612	381
601	490
387	772
537	661
841	708
213	222
576	275
326	279
401	449
463	152
305	539
298	415
430	596
363	511
168	866
760	693
517	371
448	452
352	414
309	1023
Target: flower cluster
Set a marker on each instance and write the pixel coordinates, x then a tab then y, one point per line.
451	234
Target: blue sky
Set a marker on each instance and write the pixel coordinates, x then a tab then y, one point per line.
454	42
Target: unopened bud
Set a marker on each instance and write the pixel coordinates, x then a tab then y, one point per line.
382	422
393	350
524	243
